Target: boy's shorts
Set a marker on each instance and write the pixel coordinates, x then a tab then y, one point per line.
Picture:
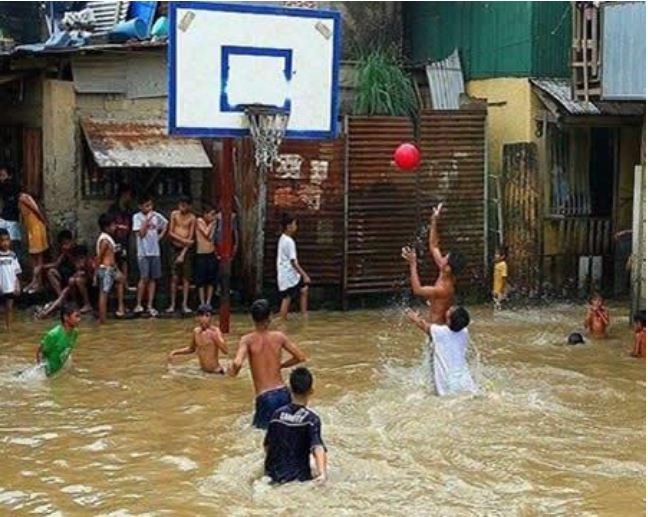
183	269
150	268
293	291
7	296
267	403
206	270
106	278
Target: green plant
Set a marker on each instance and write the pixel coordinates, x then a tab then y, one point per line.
383	88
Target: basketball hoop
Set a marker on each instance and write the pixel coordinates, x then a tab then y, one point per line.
267	129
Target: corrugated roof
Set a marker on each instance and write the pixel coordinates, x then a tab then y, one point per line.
446	82
143	143
559	90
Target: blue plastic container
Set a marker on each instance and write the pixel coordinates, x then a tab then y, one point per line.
145	11
131	29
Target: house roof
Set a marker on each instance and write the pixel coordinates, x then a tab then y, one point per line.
141	144
558	91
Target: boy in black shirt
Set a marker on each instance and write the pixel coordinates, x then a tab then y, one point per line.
294	434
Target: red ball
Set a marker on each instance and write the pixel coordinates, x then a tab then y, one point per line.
407	157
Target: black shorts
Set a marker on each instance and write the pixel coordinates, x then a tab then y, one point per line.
7	296
293	291
206	272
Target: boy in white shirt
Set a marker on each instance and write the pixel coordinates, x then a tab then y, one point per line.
149	227
9	271
449	346
291	277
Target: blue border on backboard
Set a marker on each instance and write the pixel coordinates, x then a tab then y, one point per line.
229	50
261	9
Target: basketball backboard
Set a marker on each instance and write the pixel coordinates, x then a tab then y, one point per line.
223	56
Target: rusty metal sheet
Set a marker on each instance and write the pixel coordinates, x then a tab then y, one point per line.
141	144
389	208
453	146
382	204
308	181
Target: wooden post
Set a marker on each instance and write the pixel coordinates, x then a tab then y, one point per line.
226	182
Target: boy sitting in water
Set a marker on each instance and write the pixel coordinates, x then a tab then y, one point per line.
597	318
449	344
294	434
57	345
264	348
639	320
206	341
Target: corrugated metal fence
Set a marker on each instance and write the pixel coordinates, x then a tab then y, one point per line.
309	183
388	208
356	210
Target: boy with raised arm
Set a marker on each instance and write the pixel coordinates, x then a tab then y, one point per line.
294	434
440	296
597	318
182	229
264	349
57	345
206	341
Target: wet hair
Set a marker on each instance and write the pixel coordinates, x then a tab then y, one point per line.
594	295
4	232
184	199
144	198
575	338
287	219
456	262
64	235
502	251
301	381
204	309
459	319
105	220
260	310
67	309
640	317
208	207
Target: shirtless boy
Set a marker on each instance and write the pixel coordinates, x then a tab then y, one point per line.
639	324
182	227
206	275
597	318
206	342
107	273
440	296
263	348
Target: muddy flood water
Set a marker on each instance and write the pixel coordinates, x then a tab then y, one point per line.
557	430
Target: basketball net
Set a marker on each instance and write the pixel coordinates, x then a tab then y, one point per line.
267	129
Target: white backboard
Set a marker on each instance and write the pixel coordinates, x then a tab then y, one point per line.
224	56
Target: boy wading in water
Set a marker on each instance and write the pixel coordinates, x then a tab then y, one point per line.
182	228
57	345
449	346
263	348
639	324
292	280
107	274
597	318
206	341
294	433
440	296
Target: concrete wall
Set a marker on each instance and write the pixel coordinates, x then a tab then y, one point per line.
510	114
60	157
